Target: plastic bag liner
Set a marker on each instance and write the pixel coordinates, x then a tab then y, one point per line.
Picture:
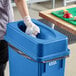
49	45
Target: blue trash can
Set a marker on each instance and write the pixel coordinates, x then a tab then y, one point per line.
41	56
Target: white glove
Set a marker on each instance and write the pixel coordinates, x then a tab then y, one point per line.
31	28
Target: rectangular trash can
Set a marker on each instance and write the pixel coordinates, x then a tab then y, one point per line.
41	56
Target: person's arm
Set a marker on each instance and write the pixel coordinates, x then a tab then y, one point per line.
22	7
32	29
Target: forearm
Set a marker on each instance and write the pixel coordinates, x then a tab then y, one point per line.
32	29
22	7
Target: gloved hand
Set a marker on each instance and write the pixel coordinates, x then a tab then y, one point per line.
31	28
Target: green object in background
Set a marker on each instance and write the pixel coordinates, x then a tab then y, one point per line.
61	13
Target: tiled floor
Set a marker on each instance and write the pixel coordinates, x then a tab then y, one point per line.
34	13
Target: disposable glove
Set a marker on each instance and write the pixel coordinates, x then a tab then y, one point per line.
31	28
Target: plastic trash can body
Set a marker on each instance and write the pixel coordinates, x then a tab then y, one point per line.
20	66
48	45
